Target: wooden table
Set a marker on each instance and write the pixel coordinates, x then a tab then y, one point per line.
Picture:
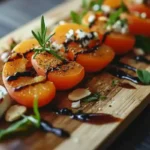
14	13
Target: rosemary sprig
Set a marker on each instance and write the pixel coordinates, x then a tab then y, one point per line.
44	41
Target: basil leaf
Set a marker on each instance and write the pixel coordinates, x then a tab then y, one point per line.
144	76
91	98
20	125
36	111
116	15
76	18
143	43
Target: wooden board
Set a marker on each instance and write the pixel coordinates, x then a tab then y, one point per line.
123	102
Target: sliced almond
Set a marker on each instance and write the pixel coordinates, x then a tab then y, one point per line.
15	112
5	100
78	94
75	104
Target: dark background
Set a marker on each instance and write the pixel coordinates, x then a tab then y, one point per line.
14	13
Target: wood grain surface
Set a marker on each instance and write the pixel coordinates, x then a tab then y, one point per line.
125	102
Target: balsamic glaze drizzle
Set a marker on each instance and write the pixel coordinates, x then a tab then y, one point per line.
88	50
30	73
123	75
105	36
47	127
126	66
93	118
142	59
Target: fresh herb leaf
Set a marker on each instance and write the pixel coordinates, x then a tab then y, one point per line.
24	124
144	76
143	43
44	41
115	82
91	98
116	15
19	126
76	18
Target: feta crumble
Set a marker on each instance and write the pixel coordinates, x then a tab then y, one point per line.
106	9
56	46
70	35
96	7
91	18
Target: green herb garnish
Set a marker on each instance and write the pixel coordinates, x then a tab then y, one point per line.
93	97
76	18
116	15
143	43
24	124
144	76
115	82
86	6
44	41
21	125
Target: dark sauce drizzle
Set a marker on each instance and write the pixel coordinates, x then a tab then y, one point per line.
47	127
18	88
88	50
92	23
142	59
81	41
126	66
93	118
30	73
105	36
123	75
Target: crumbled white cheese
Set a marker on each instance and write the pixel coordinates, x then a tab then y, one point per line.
109	28
4	56
138	1
106	9
102	18
117	27
56	46
91	18
125	29
80	34
143	15
96	7
70	35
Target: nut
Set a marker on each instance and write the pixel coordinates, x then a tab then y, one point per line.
5	100
139	51
75	104
15	112
78	94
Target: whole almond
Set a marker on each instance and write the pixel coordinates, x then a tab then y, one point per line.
15	112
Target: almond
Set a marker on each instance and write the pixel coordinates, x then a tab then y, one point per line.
15	112
78	94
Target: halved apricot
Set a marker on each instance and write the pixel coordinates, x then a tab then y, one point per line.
64	76
24	89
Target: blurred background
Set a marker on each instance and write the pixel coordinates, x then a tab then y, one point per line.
14	13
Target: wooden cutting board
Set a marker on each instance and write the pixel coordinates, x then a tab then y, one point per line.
125	101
